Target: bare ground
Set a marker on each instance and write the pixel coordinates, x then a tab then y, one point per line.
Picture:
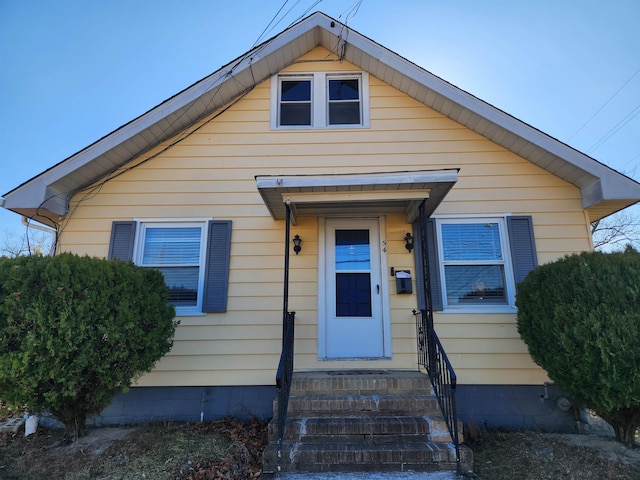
527	455
230	449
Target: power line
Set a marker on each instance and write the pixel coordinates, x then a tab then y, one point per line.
615	129
603	105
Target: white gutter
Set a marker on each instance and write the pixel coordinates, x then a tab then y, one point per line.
30	224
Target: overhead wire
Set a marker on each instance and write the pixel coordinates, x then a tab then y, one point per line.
269	24
94	189
603	105
615	129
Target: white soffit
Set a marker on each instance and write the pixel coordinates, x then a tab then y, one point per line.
355	194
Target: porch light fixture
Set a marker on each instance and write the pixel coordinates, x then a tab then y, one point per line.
408	238
296	244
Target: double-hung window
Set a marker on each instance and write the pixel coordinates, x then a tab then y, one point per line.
193	256
320	100
295	101
177	250
475	262
344	100
472	263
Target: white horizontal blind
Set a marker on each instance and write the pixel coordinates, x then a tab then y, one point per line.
175	251
471	242
474	264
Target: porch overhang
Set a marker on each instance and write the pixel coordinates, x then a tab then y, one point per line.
355	193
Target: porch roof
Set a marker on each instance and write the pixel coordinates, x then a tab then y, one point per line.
355	194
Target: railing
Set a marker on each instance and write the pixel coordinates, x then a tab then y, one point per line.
283	377
432	357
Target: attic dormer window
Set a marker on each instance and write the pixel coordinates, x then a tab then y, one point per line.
295	102
320	100
344	101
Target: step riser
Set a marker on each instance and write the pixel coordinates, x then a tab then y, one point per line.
325	460
385	427
330	454
361	385
366	405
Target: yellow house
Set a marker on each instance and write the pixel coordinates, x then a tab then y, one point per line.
403	193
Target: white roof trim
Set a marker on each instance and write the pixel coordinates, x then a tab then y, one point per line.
355	194
45	197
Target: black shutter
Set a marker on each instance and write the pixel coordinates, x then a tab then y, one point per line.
433	282
216	281
523	246
121	243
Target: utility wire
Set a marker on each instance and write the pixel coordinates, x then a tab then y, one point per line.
615	129
272	20
603	105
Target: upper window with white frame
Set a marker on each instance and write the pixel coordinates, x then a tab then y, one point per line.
475	263
320	100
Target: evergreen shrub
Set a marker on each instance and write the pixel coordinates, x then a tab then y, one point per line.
75	330
580	318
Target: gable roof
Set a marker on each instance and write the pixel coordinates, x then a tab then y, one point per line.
45	197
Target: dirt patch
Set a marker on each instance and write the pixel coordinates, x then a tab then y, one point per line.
231	449
528	455
227	449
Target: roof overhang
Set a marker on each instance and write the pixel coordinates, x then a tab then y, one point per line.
355	194
46	197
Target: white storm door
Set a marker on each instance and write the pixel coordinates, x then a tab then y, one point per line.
354	324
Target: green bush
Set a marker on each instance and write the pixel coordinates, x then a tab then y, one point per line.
580	318
76	330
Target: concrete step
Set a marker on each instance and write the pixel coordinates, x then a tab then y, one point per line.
362	404
359	421
377	429
361	382
362	457
354	429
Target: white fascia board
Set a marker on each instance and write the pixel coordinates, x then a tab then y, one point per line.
498	117
346	180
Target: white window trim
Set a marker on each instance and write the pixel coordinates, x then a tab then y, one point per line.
510	285
143	223
319	100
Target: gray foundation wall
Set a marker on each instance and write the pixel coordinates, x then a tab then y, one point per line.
486	406
187	404
537	407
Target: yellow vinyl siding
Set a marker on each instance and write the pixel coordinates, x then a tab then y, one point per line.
211	174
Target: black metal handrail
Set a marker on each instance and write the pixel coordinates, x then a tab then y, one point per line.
433	358
283	377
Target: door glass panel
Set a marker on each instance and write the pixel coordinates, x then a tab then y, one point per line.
353	295
353	277
352	250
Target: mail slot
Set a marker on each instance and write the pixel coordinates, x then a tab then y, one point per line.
403	281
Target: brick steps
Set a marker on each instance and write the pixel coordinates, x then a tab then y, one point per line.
362	421
363	457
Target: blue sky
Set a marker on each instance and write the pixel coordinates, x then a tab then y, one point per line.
73	71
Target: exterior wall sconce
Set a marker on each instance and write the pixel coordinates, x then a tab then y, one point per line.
296	244
408	238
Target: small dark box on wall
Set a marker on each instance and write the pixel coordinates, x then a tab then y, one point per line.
403	281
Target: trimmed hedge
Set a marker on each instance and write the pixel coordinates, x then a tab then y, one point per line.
76	330
580	318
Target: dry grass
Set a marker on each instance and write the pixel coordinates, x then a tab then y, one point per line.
230	449
527	455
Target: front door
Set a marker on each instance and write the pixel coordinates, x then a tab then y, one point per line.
353	313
